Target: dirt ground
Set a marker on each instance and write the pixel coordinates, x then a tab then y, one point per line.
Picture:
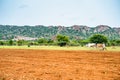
20	64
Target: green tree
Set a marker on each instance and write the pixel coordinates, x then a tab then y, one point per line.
98	38
10	42
113	43
1	43
118	42
74	42
83	42
50	41
62	40
20	42
42	41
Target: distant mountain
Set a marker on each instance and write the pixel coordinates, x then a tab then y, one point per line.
74	32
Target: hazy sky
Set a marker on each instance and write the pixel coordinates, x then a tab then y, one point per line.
60	12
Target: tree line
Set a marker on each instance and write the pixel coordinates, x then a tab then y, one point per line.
62	40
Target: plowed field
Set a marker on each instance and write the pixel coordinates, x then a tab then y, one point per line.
24	64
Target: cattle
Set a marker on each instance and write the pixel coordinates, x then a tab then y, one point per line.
91	45
101	46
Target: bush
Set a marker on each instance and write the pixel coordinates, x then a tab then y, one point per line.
62	40
1	43
62	43
20	42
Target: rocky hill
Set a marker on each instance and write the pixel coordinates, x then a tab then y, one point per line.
74	32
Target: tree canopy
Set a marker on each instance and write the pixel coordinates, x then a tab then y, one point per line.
98	38
62	40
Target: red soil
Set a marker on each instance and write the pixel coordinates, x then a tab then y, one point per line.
58	65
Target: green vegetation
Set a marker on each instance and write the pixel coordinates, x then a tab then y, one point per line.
20	42
42	41
8	32
58	35
1	43
62	40
98	38
10	42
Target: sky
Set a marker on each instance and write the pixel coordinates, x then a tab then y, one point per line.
60	12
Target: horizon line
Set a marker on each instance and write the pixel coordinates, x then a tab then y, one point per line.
60	25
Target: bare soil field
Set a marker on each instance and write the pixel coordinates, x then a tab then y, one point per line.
28	64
